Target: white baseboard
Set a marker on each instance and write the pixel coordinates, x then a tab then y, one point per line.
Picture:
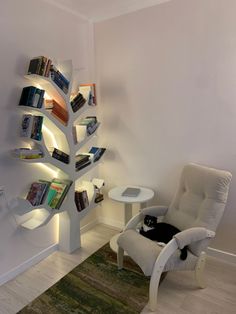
110	222
222	255
27	264
89	226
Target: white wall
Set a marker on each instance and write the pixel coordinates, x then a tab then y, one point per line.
30	28
167	79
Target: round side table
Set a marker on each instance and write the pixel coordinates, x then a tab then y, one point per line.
142	198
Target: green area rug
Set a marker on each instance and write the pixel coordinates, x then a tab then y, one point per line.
95	286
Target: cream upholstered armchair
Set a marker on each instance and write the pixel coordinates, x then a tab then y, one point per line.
196	210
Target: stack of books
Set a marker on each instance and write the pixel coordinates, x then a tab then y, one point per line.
40	65
82	161
89	92
59	112
27	153
60	155
31	126
77	102
81	200
91	124
97	152
32	97
54	192
59	79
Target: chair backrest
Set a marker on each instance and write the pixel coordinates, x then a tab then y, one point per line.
200	199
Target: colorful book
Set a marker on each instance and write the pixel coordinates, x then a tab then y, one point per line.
61	187
36	193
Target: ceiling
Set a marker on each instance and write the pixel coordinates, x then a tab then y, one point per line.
97	10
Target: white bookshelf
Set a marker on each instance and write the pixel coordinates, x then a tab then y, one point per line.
69	217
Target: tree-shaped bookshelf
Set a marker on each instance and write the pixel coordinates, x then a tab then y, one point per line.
56	132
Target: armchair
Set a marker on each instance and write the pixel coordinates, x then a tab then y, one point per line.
196	210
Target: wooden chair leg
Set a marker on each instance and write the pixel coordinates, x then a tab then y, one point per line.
153	289
199	270
120	257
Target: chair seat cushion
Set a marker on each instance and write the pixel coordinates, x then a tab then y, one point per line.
142	250
145	252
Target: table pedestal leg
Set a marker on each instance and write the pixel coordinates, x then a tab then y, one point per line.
128	212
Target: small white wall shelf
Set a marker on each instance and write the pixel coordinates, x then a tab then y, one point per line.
69	217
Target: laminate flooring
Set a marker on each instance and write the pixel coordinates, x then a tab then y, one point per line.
178	293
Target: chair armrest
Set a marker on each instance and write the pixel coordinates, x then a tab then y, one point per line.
191	235
134	221
155	211
152	210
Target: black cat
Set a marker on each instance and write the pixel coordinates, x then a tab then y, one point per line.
160	232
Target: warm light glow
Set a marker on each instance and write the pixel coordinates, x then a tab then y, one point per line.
46	96
48	169
49	132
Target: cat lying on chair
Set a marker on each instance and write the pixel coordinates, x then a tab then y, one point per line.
160	232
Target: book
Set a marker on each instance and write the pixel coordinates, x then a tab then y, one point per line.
36	193
26	153
61	187
98	197
36	131
77	102
34	65
97	152
60	155
131	192
80	167
59	79
81	200
59	112
81	159
89	92
26	125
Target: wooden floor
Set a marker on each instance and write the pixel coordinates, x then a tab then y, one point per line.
177	295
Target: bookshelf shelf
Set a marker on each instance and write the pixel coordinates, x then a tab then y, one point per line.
57	133
86	139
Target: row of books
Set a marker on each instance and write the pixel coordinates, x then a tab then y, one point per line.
53	193
32	97
40	66
27	153
60	155
43	66
59	79
31	126
77	102
85	159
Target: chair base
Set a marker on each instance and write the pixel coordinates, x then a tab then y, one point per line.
199	270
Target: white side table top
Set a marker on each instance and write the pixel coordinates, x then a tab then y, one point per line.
144	195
